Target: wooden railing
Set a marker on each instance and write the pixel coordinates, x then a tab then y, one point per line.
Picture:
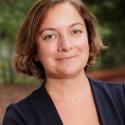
117	75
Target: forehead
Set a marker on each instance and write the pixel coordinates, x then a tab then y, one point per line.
62	14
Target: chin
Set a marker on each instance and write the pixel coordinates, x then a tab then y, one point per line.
67	71
70	72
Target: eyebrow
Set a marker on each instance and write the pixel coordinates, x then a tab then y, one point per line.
77	24
74	24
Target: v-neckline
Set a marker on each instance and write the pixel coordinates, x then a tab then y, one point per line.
94	94
54	109
52	106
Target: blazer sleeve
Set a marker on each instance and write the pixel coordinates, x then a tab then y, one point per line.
12	116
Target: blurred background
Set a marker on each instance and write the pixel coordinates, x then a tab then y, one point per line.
110	65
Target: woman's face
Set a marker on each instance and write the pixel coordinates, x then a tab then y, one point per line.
62	45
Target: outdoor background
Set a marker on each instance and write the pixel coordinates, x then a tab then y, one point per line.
110	65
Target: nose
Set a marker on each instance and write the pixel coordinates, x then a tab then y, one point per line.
65	44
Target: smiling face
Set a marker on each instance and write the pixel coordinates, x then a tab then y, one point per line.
62	42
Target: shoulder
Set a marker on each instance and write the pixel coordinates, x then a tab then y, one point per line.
112	91
31	101
110	97
24	110
107	85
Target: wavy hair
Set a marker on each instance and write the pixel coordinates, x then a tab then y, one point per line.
26	49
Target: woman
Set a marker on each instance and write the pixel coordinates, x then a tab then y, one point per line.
58	42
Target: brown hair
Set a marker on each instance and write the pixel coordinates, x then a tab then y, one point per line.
26	39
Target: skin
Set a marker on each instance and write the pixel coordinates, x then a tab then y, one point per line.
63	50
63	43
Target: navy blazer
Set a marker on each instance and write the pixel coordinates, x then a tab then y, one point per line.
39	109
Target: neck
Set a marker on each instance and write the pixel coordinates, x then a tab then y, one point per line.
67	89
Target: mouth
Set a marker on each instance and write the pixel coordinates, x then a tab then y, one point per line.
66	58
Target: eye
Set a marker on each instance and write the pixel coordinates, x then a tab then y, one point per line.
77	31
49	37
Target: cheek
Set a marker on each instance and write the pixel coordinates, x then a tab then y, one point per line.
45	52
83	45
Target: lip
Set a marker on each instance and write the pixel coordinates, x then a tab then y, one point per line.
66	58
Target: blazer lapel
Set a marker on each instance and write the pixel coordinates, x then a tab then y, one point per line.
105	104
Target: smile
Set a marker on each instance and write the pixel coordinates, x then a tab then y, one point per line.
66	58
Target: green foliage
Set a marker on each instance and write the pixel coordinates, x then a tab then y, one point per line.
110	15
12	13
